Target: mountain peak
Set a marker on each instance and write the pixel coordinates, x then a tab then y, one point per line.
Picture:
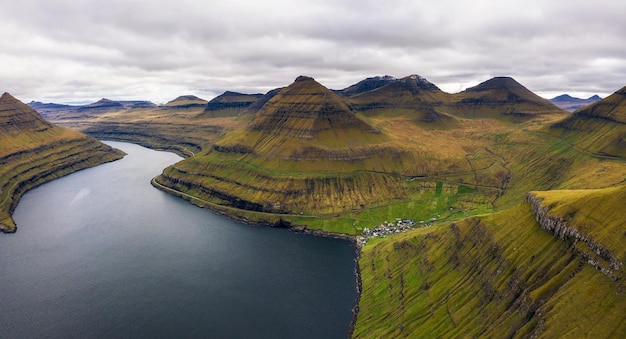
304	78
563	97
415	81
187	101
17	116
102	104
366	85
497	83
187	97
305	108
570	103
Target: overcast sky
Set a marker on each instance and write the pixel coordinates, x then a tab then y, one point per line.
81	50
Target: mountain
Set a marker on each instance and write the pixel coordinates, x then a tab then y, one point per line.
502	98
229	104
306	109
34	151
101	106
186	101
304	150
598	128
571	104
365	85
413	97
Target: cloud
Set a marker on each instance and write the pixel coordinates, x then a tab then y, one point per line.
156	50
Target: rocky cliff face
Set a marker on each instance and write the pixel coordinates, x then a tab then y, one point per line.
596	254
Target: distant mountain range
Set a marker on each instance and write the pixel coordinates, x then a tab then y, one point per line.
412	96
569	103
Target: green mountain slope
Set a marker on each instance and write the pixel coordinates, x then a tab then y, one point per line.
497	276
34	151
598	128
304	151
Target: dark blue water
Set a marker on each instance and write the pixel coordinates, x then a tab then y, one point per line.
101	253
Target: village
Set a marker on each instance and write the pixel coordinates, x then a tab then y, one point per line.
389	228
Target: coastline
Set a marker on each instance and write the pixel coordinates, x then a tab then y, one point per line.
279	224
295	228
34	182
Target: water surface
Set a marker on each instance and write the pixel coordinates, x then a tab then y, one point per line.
101	253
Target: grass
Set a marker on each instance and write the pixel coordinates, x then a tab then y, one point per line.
478	278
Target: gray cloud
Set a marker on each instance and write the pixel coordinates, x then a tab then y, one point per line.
66	50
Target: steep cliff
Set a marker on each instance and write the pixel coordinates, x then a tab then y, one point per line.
499	276
595	235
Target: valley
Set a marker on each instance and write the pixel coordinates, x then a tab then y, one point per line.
524	200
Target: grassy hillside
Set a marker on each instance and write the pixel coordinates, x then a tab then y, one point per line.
33	151
548	267
496	276
599	128
304	151
307	153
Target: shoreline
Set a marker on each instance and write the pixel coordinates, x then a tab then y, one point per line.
30	184
281	224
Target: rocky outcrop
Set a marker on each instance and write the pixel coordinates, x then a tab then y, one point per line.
596	254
